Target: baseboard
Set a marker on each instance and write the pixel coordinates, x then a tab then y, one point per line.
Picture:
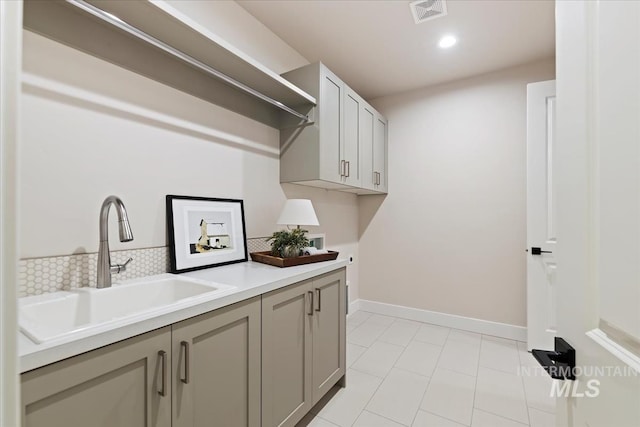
354	306
471	324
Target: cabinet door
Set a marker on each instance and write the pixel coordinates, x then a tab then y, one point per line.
329	332
286	355
380	154
216	368
118	385
367	123
332	167
351	146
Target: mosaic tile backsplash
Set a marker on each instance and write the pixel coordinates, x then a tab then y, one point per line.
41	275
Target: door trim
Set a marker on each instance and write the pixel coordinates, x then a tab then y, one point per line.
618	344
10	68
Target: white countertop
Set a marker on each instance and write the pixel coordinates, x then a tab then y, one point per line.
250	279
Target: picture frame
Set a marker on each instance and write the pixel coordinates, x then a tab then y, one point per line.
205	232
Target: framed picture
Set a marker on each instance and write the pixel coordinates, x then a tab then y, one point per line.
205	232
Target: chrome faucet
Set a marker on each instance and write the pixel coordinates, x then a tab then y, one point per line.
105	269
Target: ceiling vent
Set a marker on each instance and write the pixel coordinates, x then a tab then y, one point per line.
424	10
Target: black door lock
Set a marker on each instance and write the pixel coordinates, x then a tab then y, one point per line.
539	251
560	363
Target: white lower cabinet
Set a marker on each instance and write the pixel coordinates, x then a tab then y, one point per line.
263	361
216	368
126	384
303	346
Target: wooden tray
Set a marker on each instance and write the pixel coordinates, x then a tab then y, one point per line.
267	258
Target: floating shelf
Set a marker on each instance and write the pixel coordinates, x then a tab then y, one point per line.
154	39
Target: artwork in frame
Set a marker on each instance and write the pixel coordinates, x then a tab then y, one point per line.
205	232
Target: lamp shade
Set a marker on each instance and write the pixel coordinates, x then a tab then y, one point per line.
298	212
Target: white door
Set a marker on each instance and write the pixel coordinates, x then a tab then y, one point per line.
541	226
598	180
10	62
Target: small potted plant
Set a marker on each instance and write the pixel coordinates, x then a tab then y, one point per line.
288	243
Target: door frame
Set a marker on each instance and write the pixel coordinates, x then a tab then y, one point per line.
10	67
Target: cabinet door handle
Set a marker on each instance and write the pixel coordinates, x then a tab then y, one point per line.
310	312
163	360
348	168
185	347
319	295
342	168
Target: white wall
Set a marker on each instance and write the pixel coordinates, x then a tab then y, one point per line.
450	236
90	129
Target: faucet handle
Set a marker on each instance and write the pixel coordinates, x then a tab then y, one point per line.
119	268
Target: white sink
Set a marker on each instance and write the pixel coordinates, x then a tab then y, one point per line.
61	314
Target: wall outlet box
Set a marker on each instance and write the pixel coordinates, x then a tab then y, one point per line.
316	240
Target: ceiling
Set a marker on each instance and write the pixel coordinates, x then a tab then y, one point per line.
377	49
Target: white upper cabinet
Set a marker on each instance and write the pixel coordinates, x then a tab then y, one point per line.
380	154
351	147
373	151
345	149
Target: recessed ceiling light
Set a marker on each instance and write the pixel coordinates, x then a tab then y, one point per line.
447	41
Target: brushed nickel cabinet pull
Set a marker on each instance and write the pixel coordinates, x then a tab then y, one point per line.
348	169
319	295
310	312
185	348
163	356
342	168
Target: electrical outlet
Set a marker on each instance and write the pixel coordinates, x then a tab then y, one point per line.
350	259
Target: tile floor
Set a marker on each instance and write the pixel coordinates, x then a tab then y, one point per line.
405	373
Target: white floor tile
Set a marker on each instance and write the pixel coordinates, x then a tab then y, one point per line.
500	354
427	419
355	319
311	420
526	358
537	389
432	334
358	317
347	404
420	357
398	397
378	359
353	353
381	319
502	394
541	418
366	334
460	355
319	422
450	395
485	419
400	332
464	336
367	419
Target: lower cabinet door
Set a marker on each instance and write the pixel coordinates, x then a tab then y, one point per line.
329	332
286	355
216	368
127	384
